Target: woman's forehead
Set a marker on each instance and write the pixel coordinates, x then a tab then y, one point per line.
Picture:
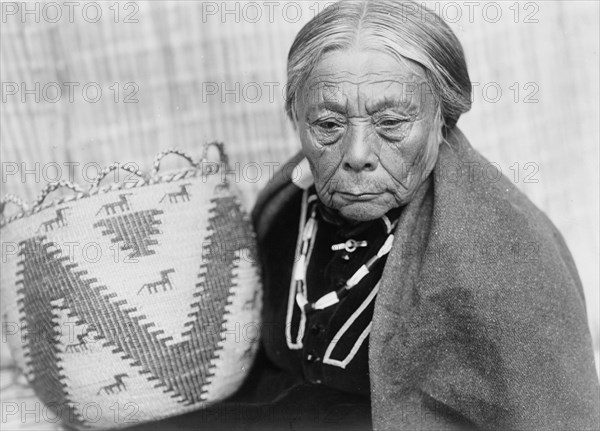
369	79
361	62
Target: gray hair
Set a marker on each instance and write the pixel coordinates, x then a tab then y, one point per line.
403	29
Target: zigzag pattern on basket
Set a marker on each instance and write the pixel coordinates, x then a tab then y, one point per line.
222	246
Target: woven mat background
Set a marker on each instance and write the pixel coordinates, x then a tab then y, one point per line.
202	71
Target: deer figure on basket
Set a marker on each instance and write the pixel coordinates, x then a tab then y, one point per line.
122	205
118	386
164	283
56	222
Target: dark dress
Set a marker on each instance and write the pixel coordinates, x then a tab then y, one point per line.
328	389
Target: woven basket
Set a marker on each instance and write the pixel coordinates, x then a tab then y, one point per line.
134	301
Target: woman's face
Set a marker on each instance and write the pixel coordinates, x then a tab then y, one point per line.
369	130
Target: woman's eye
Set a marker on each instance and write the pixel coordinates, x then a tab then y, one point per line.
328	125
327	131
390	122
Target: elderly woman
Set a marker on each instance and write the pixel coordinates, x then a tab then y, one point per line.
405	286
396	268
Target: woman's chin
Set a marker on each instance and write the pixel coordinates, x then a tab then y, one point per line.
361	211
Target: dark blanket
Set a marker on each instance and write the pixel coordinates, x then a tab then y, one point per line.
480	317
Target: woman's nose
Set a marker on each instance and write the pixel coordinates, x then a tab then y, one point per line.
360	152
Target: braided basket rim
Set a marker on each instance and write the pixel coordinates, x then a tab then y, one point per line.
165	177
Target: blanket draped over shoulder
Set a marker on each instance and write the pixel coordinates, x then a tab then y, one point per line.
480	313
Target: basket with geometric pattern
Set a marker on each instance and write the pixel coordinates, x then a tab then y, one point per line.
134	301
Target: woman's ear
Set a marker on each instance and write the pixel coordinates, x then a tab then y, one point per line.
436	136
434	140
294	118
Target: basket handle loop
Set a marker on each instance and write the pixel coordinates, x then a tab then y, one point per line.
220	146
50	187
107	170
10	198
162	154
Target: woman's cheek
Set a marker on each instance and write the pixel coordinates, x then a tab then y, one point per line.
327	164
408	160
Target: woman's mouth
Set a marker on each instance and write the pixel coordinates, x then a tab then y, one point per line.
358	196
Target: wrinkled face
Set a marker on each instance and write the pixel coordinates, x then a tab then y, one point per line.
369	130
